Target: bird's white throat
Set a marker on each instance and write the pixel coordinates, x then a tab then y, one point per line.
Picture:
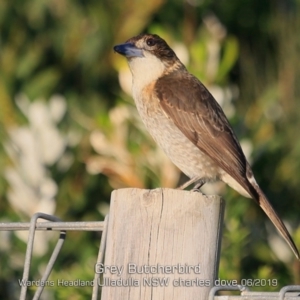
145	70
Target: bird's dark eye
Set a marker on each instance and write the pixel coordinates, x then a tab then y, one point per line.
150	42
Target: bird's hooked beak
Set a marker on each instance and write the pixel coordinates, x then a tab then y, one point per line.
129	50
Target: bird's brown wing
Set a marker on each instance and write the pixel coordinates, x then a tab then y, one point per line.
196	113
200	118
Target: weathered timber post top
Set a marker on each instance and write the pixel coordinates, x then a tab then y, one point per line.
162	244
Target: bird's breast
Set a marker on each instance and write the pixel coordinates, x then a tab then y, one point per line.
183	153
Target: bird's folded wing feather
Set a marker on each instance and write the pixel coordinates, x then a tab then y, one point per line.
196	113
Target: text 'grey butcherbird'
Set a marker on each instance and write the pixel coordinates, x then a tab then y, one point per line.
188	123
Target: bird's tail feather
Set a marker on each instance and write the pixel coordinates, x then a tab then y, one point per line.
271	213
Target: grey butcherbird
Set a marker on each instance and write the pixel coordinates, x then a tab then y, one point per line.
188	123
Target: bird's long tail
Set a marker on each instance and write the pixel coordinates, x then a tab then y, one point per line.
271	213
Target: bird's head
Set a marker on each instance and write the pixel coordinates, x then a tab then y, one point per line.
145	45
149	54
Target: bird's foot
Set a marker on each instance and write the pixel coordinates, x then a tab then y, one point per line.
198	186
191	181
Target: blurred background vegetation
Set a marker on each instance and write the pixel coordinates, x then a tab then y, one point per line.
70	133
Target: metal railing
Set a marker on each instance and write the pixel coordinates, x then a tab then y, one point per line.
54	224
289	292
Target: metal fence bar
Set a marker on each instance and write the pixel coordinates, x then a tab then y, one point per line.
100	259
286	293
216	289
29	249
288	288
57	226
258	296
50	265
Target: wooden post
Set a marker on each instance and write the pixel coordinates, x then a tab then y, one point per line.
161	244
